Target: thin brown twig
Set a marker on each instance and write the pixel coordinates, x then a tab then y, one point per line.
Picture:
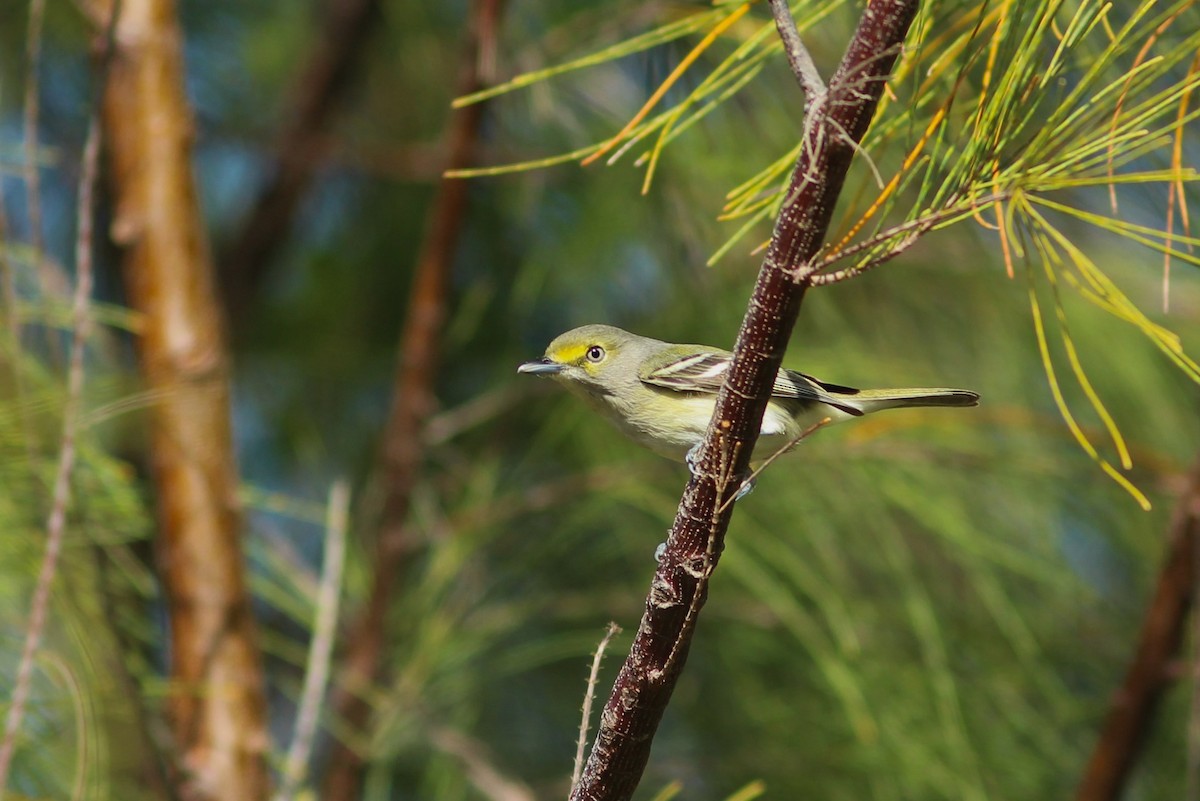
56	523
589	697
806	72
907	233
900	245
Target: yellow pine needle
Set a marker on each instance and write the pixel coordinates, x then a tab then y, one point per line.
1123	308
671	118
1119	107
976	211
1139	233
1065	411
1002	229
733	240
1175	187
750	792
739	198
646	130
658	147
666	33
993	54
669	791
1177	152
1111	299
675	75
750	206
533	164
1049	256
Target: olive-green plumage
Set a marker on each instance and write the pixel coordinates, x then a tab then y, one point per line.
662	395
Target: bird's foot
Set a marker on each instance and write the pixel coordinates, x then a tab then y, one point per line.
746	488
692	457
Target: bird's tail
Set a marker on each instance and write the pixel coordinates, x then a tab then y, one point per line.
873	400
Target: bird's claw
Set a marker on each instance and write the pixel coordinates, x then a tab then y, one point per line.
746	488
692	459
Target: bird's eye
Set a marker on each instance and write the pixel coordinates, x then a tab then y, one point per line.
595	353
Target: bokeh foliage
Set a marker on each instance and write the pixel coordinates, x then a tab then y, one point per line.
930	604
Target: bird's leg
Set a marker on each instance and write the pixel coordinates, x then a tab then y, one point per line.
747	487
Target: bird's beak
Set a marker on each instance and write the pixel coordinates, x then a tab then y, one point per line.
542	367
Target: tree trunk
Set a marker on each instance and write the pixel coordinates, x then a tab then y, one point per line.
217	704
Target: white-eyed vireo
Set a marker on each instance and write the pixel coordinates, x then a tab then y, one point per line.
662	395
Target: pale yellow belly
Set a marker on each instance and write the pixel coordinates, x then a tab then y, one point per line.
672	427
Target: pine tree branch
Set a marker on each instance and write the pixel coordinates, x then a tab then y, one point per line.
833	127
797	54
412	404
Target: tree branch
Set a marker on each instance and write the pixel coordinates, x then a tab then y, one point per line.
217	692
302	146
1149	675
589	698
797	54
677	593
412	404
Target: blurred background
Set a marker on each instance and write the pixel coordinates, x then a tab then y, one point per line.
931	604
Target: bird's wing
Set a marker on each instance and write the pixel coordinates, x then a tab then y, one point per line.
690	371
704	371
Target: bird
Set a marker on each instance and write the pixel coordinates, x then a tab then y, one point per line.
662	394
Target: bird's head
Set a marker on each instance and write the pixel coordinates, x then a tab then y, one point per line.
587	357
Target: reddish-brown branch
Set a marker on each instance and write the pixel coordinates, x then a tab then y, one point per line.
217	700
412	403
834	125
303	144
1148	677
